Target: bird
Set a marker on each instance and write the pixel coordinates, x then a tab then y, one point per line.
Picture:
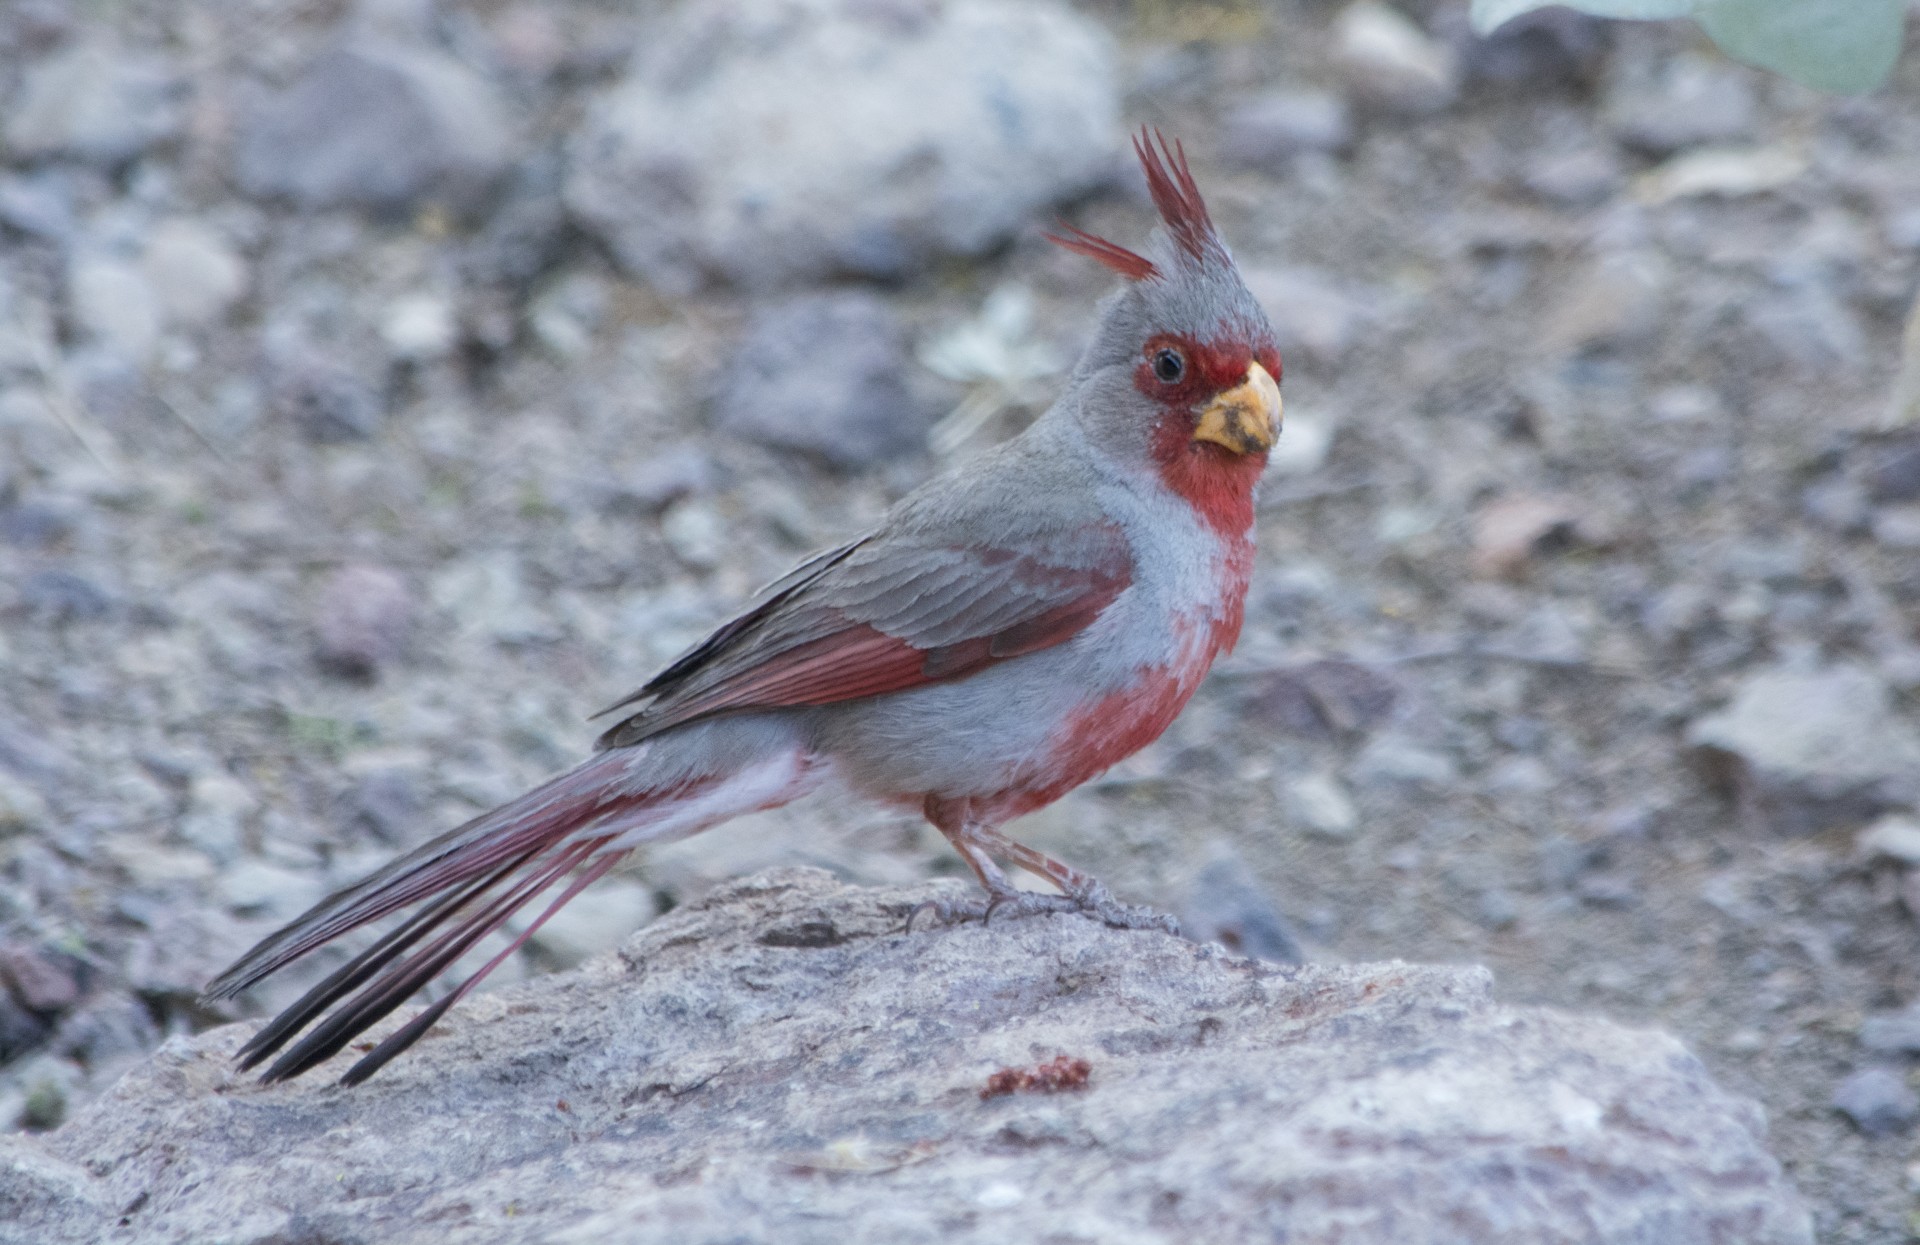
1008	631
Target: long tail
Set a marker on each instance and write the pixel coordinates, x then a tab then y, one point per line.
471	880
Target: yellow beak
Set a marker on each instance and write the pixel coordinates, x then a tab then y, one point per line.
1246	417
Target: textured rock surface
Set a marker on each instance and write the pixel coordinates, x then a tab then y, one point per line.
721	155
781	1063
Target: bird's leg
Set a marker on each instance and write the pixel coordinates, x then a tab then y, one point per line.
978	843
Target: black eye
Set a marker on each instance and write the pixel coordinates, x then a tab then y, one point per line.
1168	365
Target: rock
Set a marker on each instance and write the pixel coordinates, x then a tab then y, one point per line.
1274	125
1839	504
1721	172
1878	1101
780	1062
1310	310
1392	759
41	1197
328	401
1324	699
1893	837
1894	473
1578	178
1893	1032
1897	527
1688	101
361	621
1807	749
1613	301
377	124
195	275
1509	532
95	101
419	327
720	154
1390	61
1322	806
824	373
113	304
53	595
1224	905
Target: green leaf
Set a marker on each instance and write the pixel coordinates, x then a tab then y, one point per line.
1834	45
1489	15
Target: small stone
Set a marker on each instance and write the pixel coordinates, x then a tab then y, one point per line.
1390	61
52	595
824	373
43	980
1322	806
1578	178
695	532
377	124
1893	1032
1809	748
1224	905
1839	505
1498	909
1310	311
1688	101
674	472
1897	527
1893	837
1510	532
327	401
96	101
1614	301
1273	125
1878	1101
1721	172
217	816
196	276
254	887
1391	759
1894	473
419	327
113	303
39	203
362	620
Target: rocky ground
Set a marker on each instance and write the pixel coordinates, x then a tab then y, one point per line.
779	1062
385	387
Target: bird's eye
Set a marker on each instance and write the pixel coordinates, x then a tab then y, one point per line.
1168	365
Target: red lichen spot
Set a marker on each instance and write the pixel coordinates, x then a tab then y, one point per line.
1062	1073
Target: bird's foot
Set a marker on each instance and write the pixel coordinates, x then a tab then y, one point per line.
1096	900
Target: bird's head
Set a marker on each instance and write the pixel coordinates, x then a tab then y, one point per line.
1182	376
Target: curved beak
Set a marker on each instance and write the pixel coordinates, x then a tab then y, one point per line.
1246	417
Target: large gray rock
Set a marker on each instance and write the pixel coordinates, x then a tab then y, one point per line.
1805	749
947	125
824	373
377	124
781	1063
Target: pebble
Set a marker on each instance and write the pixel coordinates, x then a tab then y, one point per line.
1269	127
1224	905
1511	531
599	919
1840	505
720	155
419	327
194	274
1893	475
826	374
1320	803
381	124
1391	62
112	302
362	620
1810	748
326	400
1897	527
1878	1101
1688	101
95	101
1892	1032
1893	837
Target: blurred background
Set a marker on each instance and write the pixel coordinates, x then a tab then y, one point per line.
386	386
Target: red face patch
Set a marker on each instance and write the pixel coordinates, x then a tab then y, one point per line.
1182	375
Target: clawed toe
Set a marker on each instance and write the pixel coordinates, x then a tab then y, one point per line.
1095	901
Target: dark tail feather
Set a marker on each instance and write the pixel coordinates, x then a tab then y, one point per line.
409	1033
349	976
402	979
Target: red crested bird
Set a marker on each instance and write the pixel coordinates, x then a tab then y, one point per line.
1009	631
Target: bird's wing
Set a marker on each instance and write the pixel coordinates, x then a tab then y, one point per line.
886	613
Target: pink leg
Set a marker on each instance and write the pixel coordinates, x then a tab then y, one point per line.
978	843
